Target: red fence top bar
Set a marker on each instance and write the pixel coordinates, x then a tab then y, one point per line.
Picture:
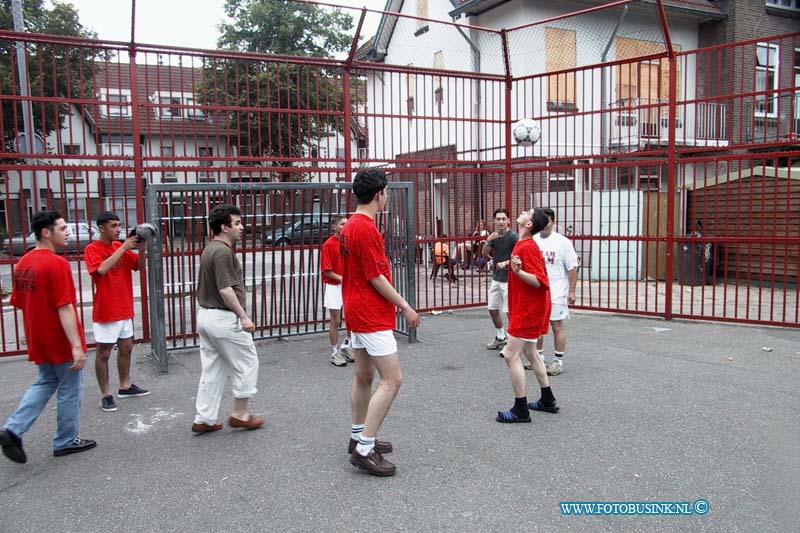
571	14
402	15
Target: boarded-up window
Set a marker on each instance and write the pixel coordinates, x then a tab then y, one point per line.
422	11
560	55
643	82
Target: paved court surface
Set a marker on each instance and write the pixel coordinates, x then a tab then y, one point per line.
651	411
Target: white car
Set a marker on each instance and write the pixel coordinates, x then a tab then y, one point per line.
80	234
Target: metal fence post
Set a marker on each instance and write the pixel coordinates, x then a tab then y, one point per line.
155	281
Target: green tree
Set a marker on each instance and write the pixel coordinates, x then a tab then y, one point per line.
54	70
279	108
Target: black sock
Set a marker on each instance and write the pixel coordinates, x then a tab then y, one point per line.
521	407
547	397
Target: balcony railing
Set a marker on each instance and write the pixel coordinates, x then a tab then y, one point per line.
638	121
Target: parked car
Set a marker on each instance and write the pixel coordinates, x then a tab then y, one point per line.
308	229
80	234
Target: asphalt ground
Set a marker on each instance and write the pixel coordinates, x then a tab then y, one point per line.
650	411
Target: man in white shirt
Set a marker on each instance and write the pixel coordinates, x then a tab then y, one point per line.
562	271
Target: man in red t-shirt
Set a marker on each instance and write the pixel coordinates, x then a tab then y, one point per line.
369	304
331	268
110	263
44	292
528	318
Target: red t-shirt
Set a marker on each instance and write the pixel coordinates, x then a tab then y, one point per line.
113	291
528	306
42	284
331	259
364	258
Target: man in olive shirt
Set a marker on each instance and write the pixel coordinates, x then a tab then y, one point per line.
226	343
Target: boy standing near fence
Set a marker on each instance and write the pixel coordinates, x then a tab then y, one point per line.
331	267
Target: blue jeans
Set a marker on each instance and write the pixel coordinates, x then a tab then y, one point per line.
67	384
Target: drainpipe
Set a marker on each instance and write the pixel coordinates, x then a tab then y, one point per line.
476	67
605	126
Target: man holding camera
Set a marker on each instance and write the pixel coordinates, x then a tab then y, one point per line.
111	263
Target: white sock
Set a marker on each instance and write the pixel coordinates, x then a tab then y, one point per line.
355	433
500	333
365	445
540	353
334	349
346	341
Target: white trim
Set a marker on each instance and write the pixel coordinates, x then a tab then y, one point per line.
121	109
775	69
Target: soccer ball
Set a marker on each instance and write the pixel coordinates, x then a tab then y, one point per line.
526	132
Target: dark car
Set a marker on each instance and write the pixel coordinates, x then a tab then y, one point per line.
308	229
80	235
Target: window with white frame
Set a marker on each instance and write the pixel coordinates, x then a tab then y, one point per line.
766	79
167	160
72	176
792	5
796	110
120	97
561	176
172	105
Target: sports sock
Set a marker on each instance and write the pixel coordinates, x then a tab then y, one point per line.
365	445
547	397
558	354
500	333
346	341
540	353
355	433
521	407
334	349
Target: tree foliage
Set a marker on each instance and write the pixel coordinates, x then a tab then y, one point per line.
279	109
53	70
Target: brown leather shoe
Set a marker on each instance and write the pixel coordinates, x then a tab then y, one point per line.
251	423
381	446
199	427
373	463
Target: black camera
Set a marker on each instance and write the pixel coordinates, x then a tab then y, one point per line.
143	232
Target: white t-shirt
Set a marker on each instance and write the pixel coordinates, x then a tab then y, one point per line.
559	258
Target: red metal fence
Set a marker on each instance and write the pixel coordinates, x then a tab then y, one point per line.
670	168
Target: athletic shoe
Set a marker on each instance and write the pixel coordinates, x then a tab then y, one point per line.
554	367
132	392
12	446
78	445
373	463
337	359
527	364
496	344
381	446
347	353
107	403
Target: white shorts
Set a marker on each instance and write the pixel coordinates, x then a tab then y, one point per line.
111	332
559	312
333	296
377	344
498	296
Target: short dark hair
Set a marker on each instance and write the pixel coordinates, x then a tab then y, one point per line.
335	220
539	219
221	216
367	183
106	216
501	210
42	220
550	213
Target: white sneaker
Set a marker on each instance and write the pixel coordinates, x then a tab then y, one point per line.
496	344
554	367
527	364
337	359
347	353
